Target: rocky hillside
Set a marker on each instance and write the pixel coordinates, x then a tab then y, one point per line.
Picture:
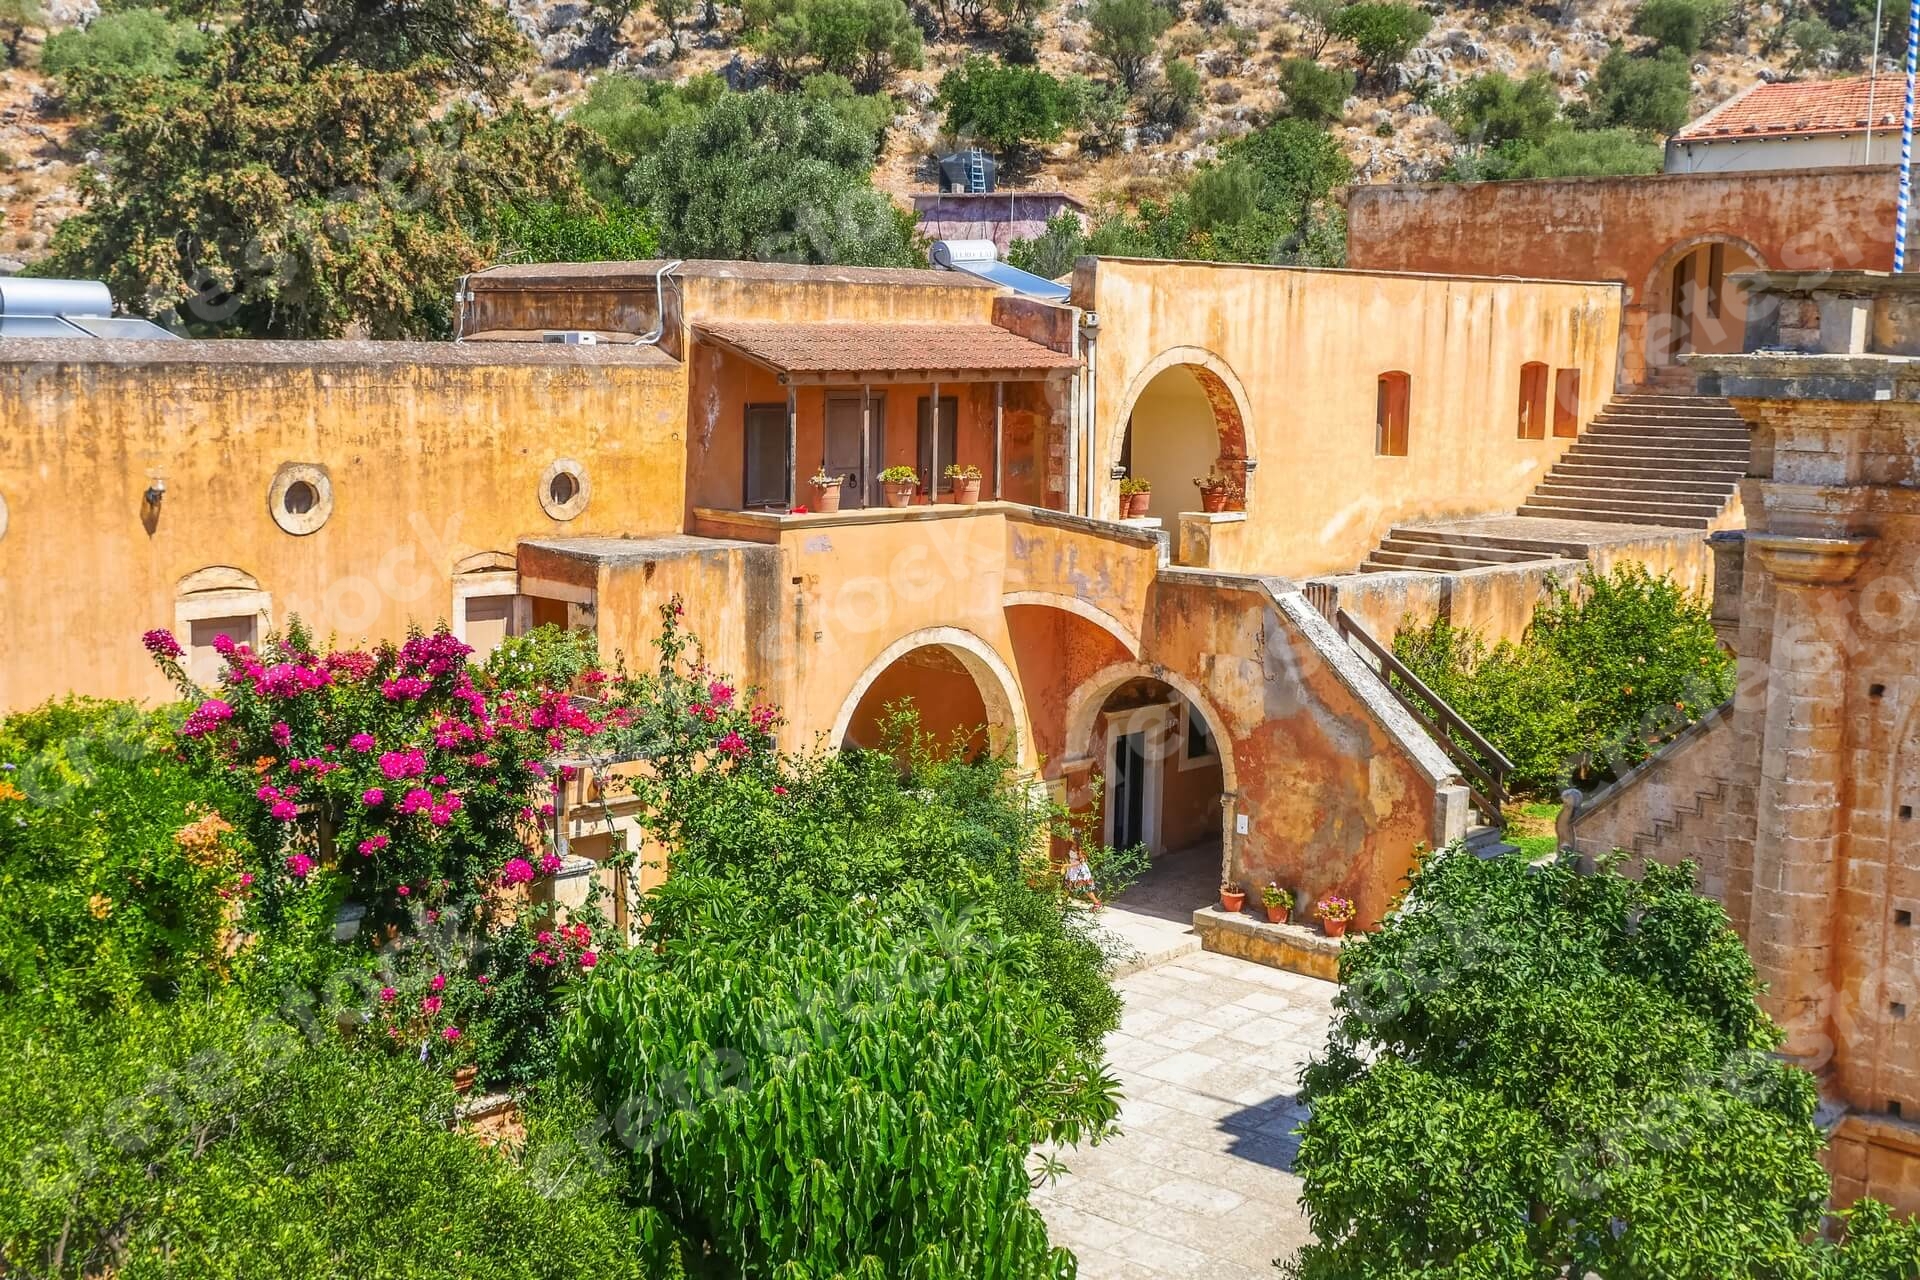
1390	135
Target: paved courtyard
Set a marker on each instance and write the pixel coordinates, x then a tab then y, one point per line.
1200	1182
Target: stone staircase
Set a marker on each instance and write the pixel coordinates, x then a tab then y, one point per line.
1443	551
1649	458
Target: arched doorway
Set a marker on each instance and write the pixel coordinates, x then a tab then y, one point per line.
961	690
1692	306
1187	422
1164	779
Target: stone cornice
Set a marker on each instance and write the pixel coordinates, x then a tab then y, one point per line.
1826	562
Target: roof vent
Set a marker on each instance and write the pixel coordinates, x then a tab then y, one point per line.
66	309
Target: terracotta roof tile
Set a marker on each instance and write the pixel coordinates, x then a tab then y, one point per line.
833	347
1774	110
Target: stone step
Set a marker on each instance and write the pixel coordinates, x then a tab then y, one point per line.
1681	505
1654	459
1720	476
1431	542
1602	515
1631	498
1735	436
1537	547
1384	559
1671	398
1642	413
1593	446
1645	478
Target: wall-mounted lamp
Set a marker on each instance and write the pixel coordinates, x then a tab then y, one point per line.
1250	464
1116	472
155	491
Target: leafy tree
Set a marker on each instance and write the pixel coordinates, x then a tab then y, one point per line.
1383	32
1681	24
777	177
1564	153
1609	667
1054	251
196	1139
1493	109
1126	35
1009	108
1315	93
1224	195
313	175
1174	94
631	116
115	859
564	233
865	41
1652	94
1316	19
670	13
17	17
120	45
868	1111
1537	1073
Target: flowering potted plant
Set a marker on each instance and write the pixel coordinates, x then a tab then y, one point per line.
1334	912
1232	896
1134	497
1277	901
899	484
1215	491
826	490
966	483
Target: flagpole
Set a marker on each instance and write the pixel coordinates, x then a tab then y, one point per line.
1906	140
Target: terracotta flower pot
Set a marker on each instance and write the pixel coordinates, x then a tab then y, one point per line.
899	495
464	1076
1276	915
966	492
1334	928
1232	901
1213	500
826	497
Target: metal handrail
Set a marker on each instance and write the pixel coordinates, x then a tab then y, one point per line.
1492	766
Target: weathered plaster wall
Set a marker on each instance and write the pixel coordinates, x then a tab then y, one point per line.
1304	350
434	452
1628	230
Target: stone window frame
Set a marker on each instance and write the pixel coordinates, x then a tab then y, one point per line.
489	574
221	591
300	523
583	489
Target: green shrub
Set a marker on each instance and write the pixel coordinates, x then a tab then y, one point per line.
1008	108
1534	1072
1174	94
204	1140
558	233
116	864
1494	109
1383	32
632	115
120	45
866	1110
1315	93
1316	19
1651	94
1684	25
864	40
1609	668
1053	252
1126	35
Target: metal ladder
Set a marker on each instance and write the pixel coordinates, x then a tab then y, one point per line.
976	171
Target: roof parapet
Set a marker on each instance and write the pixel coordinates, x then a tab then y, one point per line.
1822	335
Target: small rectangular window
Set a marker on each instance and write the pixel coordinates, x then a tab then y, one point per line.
1566	404
487	621
768	469
1390	415
1533	401
204	662
1199	739
949	441
1716	279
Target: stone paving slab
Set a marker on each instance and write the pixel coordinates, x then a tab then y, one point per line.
1200	1180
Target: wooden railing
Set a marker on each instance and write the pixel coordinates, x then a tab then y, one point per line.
1485	767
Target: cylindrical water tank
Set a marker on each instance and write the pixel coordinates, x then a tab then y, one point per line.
24	297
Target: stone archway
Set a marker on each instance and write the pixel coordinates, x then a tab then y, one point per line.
1688	305
958	681
1186	415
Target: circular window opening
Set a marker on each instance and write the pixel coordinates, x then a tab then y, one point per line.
300	498
563	489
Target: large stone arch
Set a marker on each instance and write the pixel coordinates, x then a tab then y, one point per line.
1226	398
1084	709
1007	724
1671	324
1129	639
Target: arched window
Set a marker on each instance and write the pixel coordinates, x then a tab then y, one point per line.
1533	401
1566	403
1390	414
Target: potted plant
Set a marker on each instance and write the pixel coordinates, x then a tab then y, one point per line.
1215	491
1277	901
463	1077
899	484
966	483
826	490
1134	497
1334	912
1232	897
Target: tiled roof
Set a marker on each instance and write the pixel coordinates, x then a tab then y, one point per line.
1780	110
823	348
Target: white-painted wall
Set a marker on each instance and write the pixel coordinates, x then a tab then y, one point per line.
1825	151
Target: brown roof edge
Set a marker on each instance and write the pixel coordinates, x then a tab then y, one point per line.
840	351
641	274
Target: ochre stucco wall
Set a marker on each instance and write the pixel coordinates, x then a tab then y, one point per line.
1629	230
1305	349
435	453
